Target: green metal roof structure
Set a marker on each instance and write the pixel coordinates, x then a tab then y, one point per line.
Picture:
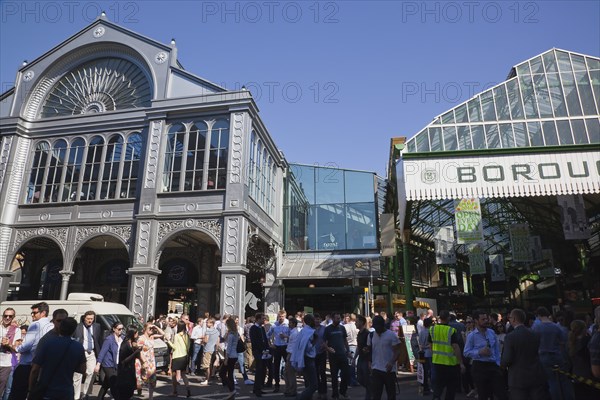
516	147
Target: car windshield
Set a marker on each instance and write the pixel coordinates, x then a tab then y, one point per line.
125	319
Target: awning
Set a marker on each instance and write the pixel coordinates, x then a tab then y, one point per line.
328	266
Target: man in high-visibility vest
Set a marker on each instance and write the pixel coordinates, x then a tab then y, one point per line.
446	358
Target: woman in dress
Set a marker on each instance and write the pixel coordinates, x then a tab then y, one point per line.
147	371
128	354
231	357
108	359
180	343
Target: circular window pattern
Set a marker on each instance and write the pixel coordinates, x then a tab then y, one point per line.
98	86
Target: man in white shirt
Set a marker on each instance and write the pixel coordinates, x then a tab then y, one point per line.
385	348
10	333
38	328
352	333
197	335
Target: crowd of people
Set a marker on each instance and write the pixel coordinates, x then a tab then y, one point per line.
518	355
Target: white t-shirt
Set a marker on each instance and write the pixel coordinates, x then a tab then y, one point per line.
382	351
5	358
351	333
198	333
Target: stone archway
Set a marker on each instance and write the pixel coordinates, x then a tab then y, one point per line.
36	267
188	260
99	266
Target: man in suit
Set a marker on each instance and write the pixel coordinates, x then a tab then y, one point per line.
89	334
526	379
260	349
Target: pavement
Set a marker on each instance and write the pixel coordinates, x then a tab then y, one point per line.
407	384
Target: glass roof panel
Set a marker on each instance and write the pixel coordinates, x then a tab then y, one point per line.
564	61
550	62
579	131
536	65
554	85
535	133
593	128
464	138
564	131
450	138
487	106
506	136
550	137
593	63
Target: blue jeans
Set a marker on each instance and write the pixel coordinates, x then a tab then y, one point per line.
559	384
352	377
240	361
8	386
195	353
310	379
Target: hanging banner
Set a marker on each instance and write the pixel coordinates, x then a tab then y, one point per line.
535	249
477	260
453	281
573	218
497	265
388	235
519	242
469	228
548	270
444	245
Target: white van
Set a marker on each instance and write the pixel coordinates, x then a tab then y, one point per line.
106	314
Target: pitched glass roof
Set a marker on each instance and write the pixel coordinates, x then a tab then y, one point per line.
549	100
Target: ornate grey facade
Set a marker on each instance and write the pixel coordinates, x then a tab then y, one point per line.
123	174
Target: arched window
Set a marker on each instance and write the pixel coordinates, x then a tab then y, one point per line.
110	172
38	169
196	156
251	163
56	169
196	152
173	158
91	173
217	164
131	166
71	191
273	189
263	176
258	187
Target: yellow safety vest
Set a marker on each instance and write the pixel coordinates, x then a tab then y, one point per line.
441	348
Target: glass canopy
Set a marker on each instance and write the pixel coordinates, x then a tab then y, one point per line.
550	100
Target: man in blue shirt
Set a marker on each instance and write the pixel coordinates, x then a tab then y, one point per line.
58	358
483	347
40	326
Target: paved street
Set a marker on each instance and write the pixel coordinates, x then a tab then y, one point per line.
407	382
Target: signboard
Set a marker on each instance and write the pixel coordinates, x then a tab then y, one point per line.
573	218
477	260
519	242
504	175
497	264
469	228
388	235
444	245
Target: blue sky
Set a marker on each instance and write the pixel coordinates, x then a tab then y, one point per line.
334	80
